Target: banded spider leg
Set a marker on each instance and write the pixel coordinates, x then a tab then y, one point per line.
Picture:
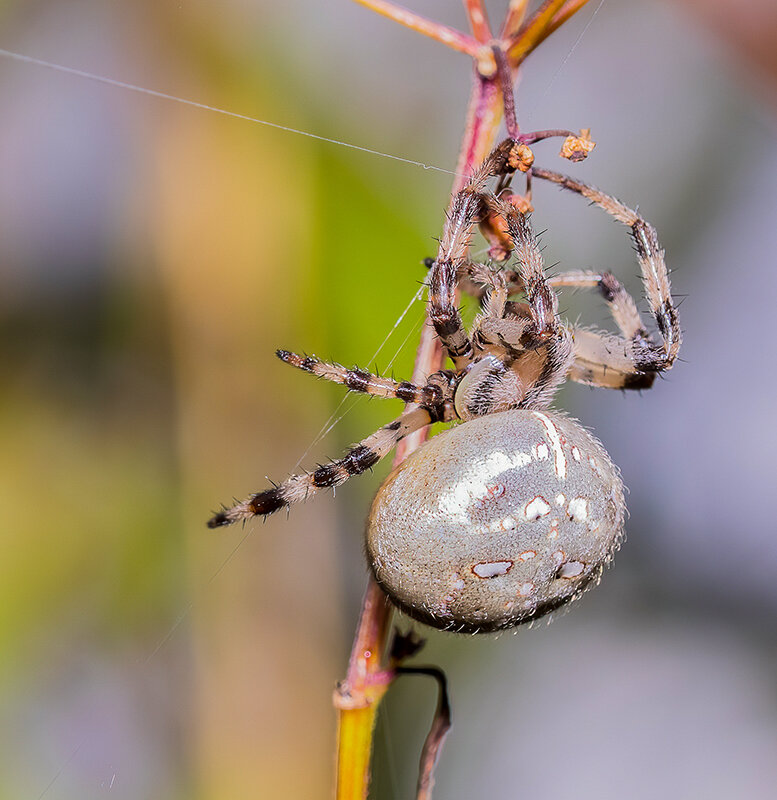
632	360
434	404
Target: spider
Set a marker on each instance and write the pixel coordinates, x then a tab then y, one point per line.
516	511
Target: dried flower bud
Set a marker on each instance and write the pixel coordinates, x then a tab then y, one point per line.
577	148
521	158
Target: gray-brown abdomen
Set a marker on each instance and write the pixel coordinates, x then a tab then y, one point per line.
496	521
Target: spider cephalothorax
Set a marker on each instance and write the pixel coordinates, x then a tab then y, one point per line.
517	510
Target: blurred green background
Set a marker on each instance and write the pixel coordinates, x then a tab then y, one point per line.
152	258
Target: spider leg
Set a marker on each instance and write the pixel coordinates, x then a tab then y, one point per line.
524	351
359	380
542	300
528	338
495	299
358	459
475	278
620	303
655	276
606	361
469	207
494	328
602	359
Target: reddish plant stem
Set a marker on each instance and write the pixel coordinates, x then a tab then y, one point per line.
370	638
483	117
539	136
441	33
506	77
478	20
367	679
358	696
482	120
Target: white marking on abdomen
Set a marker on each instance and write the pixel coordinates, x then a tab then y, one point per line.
578	509
572	569
536	508
491	569
559	459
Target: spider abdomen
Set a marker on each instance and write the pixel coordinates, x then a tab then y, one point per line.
496	522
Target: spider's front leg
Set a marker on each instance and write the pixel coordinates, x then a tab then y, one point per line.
471	206
546	342
522	351
603	359
297	488
647	356
436	399
359	380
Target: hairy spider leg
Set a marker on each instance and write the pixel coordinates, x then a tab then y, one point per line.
521	351
542	300
603	359
542	343
620	303
646	355
498	330
359	380
469	207
600	359
490	384
476	279
357	459
548	336
435	404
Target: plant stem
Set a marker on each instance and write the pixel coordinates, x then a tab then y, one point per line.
539	27
358	696
367	680
516	13
441	33
478	20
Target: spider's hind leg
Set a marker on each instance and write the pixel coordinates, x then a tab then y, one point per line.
358	459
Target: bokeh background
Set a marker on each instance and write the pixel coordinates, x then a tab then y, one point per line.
152	258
